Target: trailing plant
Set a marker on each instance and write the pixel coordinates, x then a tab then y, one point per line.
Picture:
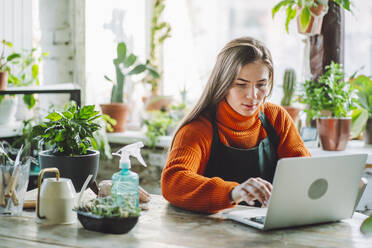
329	94
69	132
160	31
289	87
125	65
304	6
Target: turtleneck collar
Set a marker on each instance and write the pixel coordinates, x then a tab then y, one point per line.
228	117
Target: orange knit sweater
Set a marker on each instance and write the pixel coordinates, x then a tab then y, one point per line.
183	183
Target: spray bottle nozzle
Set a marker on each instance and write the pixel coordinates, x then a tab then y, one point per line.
131	150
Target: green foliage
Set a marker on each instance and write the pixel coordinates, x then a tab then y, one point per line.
160	31
25	72
289	87
363	86
6	60
359	119
366	227
160	122
69	132
125	65
330	93
157	126
292	6
110	206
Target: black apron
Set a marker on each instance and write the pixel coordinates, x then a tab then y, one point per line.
238	165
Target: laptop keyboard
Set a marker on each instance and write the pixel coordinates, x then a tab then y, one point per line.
258	219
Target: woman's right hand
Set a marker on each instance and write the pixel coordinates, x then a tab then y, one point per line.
252	189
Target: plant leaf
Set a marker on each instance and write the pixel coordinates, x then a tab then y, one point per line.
305	18
54	116
359	119
121	51
130	60
138	69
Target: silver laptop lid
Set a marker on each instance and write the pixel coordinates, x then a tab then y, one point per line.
314	190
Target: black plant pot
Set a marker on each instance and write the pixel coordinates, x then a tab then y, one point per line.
368	132
77	168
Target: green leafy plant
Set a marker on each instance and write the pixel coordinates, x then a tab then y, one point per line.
27	73
6	60
363	86
110	206
304	6
329	94
125	65
289	87
157	125
69	132
160	31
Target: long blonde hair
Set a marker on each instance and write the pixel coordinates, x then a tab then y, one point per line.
230	60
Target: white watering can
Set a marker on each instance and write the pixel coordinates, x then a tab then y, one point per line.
55	199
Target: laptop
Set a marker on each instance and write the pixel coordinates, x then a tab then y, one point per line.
308	190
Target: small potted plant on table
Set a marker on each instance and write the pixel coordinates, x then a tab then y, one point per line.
69	135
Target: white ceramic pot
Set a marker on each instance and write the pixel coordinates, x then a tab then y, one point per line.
8	107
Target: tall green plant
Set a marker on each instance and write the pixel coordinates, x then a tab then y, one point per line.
289	87
125	65
330	93
160	31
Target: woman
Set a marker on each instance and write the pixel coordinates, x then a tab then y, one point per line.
226	149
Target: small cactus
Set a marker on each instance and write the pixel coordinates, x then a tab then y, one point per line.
289	87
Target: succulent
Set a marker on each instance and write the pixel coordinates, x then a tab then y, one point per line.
289	87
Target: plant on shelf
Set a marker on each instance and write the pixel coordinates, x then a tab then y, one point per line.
5	61
289	90
330	99
306	12
69	135
363	86
125	66
26	73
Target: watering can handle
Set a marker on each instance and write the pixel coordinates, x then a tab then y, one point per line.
40	178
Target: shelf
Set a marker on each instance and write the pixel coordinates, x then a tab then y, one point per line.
64	88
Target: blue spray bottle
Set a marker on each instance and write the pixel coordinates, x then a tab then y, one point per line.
125	183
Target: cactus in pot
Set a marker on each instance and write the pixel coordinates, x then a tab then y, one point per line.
125	66
289	89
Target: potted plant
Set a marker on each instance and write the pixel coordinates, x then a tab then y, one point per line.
69	135
159	32
330	101
363	86
125	65
4	63
289	89
309	13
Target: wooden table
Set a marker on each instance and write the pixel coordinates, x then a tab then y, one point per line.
166	226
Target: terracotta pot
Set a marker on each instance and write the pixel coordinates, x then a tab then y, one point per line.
3	80
315	25
119	112
368	132
334	133
293	112
158	102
